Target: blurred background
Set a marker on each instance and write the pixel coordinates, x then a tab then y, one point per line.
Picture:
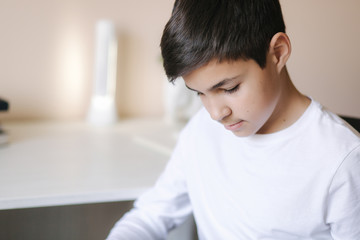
47	62
48	49
47	55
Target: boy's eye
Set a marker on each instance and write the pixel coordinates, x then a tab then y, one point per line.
232	90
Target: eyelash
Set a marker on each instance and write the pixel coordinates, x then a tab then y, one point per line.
232	90
228	91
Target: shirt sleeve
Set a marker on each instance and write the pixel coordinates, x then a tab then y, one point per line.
344	199
161	208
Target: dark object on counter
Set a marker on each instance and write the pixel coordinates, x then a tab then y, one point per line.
4	105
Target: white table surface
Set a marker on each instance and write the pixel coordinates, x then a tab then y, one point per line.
61	163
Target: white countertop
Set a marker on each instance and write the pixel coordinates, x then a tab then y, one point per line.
61	163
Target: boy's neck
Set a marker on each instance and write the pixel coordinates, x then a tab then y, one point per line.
291	105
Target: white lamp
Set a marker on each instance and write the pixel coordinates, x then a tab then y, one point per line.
102	109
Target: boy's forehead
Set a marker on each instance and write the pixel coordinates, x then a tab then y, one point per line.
215	71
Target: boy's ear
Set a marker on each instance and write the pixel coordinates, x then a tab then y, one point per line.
280	48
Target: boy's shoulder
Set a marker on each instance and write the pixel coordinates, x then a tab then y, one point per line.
327	133
335	125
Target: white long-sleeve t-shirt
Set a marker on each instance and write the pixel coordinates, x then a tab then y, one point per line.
300	183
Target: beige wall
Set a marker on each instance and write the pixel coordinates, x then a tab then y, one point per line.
47	54
325	60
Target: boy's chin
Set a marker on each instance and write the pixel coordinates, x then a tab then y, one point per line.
242	133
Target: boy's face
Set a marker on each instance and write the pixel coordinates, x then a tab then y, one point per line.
239	94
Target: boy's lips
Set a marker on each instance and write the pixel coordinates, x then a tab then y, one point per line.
234	126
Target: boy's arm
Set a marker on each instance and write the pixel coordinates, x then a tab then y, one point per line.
160	209
344	199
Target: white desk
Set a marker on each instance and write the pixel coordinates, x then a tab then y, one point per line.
51	164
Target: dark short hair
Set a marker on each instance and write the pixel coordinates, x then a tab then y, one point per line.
202	30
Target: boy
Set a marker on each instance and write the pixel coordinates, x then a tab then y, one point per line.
274	164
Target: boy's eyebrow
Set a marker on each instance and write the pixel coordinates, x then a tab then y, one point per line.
190	88
219	84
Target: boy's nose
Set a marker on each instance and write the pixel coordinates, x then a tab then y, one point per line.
219	112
